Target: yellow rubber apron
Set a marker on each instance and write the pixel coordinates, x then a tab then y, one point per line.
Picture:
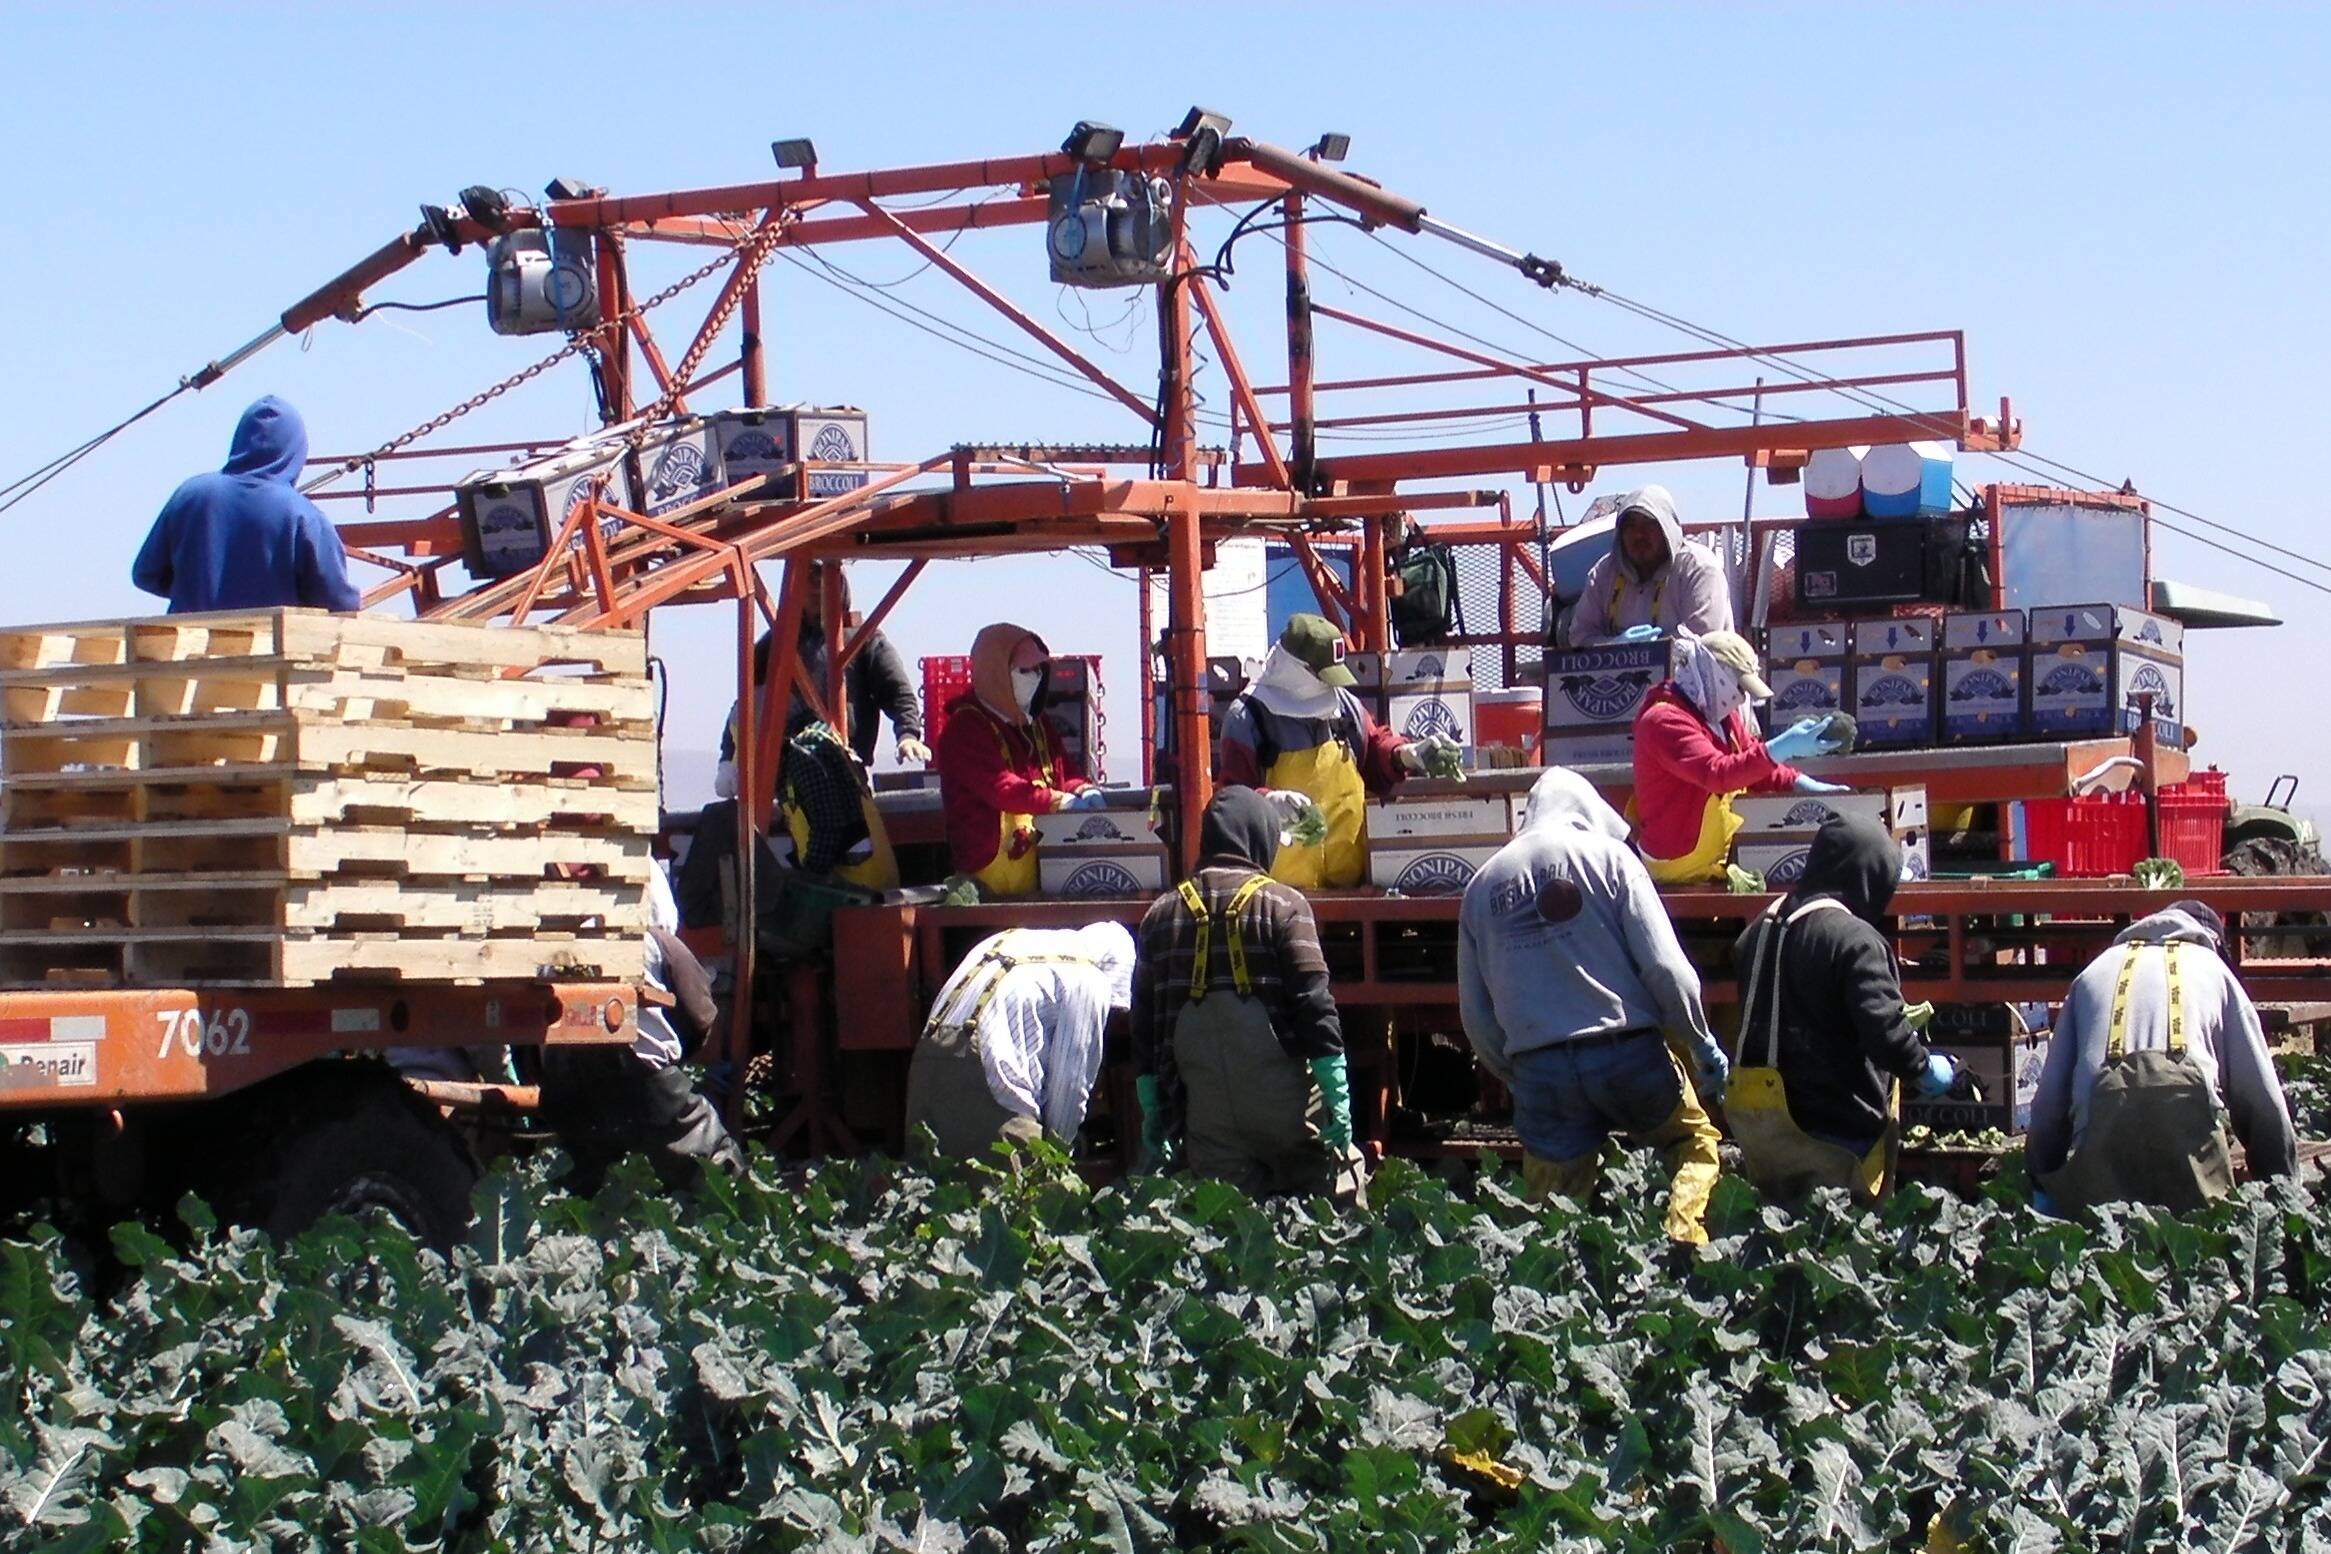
878	870
1012	871
1705	862
1329	776
1781	1158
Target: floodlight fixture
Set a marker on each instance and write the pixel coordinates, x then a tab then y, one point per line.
801	153
1202	131
1330	147
1092	142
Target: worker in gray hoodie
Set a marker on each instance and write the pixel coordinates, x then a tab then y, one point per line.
1653	580
2157	1049
1571	985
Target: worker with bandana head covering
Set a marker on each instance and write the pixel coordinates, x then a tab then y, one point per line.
1695	749
1236	1041
1299	734
1001	764
244	538
1572	986
1014	1039
2157	1051
1653	580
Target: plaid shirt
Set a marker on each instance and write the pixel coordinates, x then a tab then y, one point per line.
1283	959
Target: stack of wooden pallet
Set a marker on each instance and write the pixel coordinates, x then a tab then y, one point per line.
287	797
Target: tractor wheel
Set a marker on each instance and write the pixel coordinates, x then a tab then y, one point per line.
356	1142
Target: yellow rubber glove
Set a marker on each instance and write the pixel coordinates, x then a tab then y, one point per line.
1920	1016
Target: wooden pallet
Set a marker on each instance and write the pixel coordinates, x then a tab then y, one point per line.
227	957
289	796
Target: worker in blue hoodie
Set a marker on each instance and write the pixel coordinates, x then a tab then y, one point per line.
244	538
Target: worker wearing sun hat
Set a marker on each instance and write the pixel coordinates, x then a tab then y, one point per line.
1695	749
1300	734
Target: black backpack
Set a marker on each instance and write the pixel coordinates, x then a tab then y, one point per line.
1426	609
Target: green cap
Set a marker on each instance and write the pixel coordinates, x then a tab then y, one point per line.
1314	642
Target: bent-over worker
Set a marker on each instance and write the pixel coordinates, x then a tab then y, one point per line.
1571	983
1001	764
244	538
1824	1030
604	1100
1014	1039
1237	1046
1695	751
1653	579
2157	1049
1300	735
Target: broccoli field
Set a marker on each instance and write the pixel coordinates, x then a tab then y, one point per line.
861	1357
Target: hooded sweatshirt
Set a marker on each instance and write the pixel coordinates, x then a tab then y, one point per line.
994	759
244	538
1688	590
1238	840
1680	762
2222	1033
1562	935
1842	1027
1040	1033
1290	709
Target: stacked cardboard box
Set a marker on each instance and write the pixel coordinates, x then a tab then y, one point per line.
2002	1059
1082	854
1592	696
1434	846
1776	830
1429	691
2091	661
1805	665
1891	690
1985	677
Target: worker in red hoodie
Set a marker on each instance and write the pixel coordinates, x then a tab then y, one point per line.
1695	749
1001	765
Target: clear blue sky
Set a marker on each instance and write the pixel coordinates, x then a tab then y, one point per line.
2124	207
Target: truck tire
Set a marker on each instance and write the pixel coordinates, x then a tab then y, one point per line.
357	1142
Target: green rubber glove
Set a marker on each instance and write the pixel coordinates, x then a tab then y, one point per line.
1918	1016
1149	1090
1335	1088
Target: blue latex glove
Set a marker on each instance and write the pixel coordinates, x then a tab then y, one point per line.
1335	1089
1089	798
1942	1073
1150	1091
1638	634
1805	784
1801	738
1711	1070
2044	1204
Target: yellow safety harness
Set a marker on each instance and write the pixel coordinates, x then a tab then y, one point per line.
1619	585
1004	963
2116	1040
1201	964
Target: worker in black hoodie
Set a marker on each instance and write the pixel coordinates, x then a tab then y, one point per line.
1824	1031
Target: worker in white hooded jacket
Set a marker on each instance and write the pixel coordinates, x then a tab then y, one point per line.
1571	984
1653	580
2157	1049
1014	1039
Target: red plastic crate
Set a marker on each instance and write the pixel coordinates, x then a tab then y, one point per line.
944	679
2193	822
2087	837
2101	834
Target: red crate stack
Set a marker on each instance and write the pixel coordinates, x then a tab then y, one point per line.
2100	834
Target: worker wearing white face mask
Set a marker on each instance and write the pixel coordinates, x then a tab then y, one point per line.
1001	765
1300	735
1695	749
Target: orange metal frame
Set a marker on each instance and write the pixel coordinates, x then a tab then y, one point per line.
1164	521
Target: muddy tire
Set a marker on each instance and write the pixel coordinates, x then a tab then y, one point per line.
350	1138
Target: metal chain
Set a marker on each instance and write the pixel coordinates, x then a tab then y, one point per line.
751	253
576	346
